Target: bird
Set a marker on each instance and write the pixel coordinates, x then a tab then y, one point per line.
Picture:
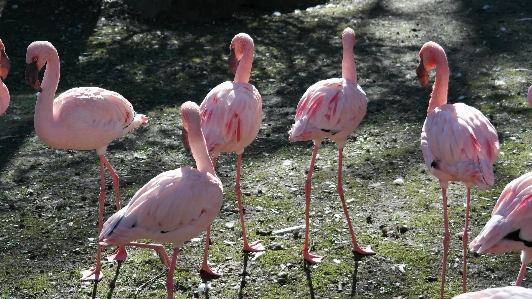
5	66
508	292
231	114
331	108
82	118
457	141
175	206
509	229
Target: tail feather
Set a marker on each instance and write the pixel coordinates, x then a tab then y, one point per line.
494	231
111	223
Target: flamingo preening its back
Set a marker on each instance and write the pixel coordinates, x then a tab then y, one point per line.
458	143
174	207
331	108
5	65
84	118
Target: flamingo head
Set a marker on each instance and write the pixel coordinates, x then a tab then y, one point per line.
37	55
5	63
429	53
348	37
239	45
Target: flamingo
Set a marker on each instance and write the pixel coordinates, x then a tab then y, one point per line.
509	229
231	115
508	292
175	206
84	118
5	65
458	143
331	108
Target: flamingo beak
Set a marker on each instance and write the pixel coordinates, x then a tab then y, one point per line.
233	61
5	65
32	76
422	74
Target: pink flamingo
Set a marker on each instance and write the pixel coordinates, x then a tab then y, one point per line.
509	226
231	115
508	292
331	108
458	143
175	206
83	118
5	65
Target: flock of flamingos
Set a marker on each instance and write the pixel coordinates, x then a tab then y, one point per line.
458	144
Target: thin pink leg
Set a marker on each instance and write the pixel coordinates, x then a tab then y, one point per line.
521	275
159	249
256	246
311	258
362	250
95	273
446	240
121	253
465	241
205	269
170	278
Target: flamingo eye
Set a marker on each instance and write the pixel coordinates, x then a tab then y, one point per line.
35	59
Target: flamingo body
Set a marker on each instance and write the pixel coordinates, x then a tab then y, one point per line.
174	207
457	141
509	228
509	292
331	108
231	115
5	66
87	118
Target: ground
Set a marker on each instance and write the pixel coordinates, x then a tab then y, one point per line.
48	197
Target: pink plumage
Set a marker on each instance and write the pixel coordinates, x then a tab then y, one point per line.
509	292
331	108
231	115
509	228
5	66
84	118
458	142
174	207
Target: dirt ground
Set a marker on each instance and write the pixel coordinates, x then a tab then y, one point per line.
48	197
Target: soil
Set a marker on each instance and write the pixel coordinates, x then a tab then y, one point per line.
48	197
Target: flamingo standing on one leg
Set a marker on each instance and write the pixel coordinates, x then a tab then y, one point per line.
331	108
231	115
509	226
83	118
458	143
5	65
175	206
508	292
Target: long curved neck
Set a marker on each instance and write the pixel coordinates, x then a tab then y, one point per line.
44	108
349	70
198	146
441	82
243	72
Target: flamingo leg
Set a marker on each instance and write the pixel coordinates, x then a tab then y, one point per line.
205	269
521	274
340	189
465	241
121	253
159	249
446	240
255	246
311	258
95	273
170	278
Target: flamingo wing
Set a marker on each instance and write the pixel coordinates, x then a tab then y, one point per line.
329	108
175	206
231	116
509	227
460	144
